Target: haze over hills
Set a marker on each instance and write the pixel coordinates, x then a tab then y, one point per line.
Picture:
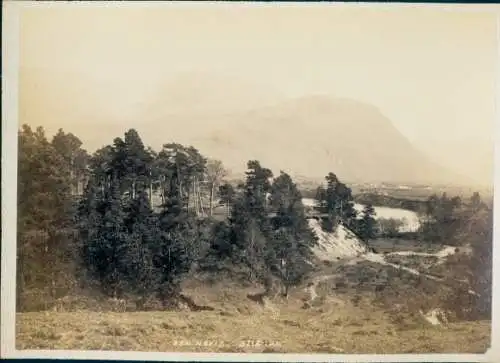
98	108
313	135
201	93
234	122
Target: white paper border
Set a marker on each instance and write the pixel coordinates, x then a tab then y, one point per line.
10	61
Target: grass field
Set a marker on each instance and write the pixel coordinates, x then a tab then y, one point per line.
336	324
263	332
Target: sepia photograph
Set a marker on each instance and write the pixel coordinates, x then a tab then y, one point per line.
273	180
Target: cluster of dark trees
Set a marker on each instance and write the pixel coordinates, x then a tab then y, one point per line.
444	216
91	221
88	220
49	173
335	205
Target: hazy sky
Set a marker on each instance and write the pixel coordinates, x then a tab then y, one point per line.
431	71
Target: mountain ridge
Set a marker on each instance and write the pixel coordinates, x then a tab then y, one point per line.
309	135
310	132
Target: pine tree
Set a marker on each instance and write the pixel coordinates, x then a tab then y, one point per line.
367	224
177	242
89	224
173	252
43	186
179	169
256	189
44	213
255	249
221	247
75	158
113	242
292	240
345	206
330	205
335	203
250	227
239	222
257	186
132	164
143	231
101	168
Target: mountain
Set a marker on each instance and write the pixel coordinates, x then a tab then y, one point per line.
311	136
98	108
232	121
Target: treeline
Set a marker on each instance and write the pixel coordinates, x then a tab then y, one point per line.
49	174
131	221
88	222
390	202
443	216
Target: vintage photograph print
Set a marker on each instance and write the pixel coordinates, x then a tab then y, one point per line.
252	178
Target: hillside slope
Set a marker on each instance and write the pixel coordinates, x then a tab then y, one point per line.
314	135
336	245
233	122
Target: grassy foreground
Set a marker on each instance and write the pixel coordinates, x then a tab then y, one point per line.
239	325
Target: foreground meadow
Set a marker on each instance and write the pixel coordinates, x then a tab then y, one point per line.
237	324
